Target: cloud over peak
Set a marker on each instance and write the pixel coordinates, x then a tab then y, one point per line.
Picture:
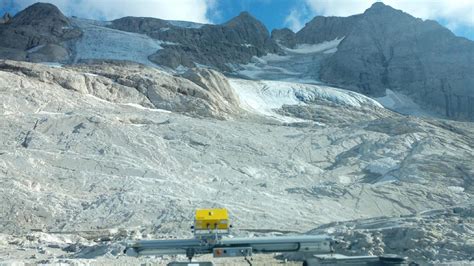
189	10
453	13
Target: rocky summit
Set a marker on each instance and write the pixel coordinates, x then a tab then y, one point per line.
359	128
387	49
233	42
396	51
36	34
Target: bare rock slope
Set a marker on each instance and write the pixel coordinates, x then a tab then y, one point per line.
90	158
206	95
385	48
37	34
233	42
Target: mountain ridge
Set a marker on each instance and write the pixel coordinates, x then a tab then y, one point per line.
381	50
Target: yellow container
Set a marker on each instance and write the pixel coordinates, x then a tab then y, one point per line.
211	219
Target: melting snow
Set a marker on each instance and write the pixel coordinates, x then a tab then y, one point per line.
300	64
52	64
146	108
186	24
326	47
456	189
96	43
265	96
401	103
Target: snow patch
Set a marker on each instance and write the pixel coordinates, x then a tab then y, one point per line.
326	47
254	71
96	44
35	49
345	179
52	64
382	166
456	189
298	65
181	69
134	105
401	103
264	97
185	24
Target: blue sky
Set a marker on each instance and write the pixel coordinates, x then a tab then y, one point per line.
271	13
457	15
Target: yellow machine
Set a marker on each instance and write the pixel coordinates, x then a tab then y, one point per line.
211	219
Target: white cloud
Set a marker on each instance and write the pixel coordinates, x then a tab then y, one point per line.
338	7
189	10
294	20
453	12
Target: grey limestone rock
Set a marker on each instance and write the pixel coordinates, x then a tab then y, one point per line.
235	41
322	29
39	29
385	48
285	37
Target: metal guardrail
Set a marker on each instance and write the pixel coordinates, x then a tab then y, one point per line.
317	244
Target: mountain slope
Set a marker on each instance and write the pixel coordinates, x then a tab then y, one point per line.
237	41
84	150
387	49
378	52
127	140
36	34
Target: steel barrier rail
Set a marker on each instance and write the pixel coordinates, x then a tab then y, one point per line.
315	244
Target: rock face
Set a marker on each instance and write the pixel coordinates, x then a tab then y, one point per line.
382	50
217	87
285	37
322	29
386	48
432	235
36	34
236	41
5	18
200	93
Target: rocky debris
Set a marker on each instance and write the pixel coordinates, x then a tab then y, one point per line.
218	87
50	53
285	37
436	236
321	112
200	92
239	40
384	48
36	34
100	155
81	82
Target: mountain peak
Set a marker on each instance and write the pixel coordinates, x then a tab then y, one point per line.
39	12
379	7
244	14
243	18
